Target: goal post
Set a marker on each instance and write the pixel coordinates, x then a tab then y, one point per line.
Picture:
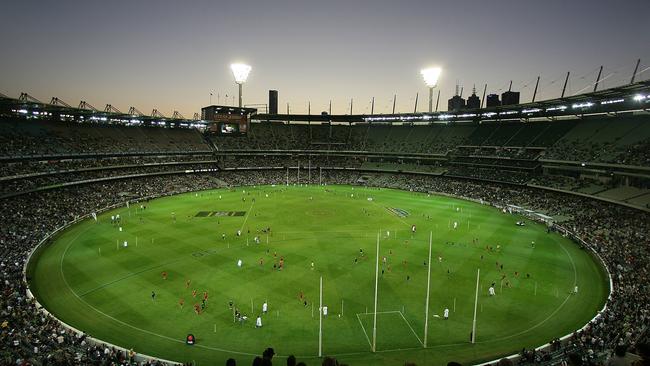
426	304
374	321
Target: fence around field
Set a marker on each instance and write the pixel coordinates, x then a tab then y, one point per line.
142	357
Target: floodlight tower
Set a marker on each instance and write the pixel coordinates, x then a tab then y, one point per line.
240	72
430	76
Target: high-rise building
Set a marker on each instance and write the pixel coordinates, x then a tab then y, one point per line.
493	100
473	101
456	102
510	98
273	102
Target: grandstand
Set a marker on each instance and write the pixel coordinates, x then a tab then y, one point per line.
588	168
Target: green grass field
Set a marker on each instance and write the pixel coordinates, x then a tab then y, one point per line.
89	280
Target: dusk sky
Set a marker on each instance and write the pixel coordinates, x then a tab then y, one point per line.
171	54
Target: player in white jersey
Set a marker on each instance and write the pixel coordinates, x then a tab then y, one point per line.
239	263
445	314
324	310
265	307
258	322
491	291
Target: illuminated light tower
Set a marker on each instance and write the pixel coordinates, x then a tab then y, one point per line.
430	76
240	72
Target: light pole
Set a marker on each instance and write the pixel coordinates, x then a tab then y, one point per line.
240	72
430	76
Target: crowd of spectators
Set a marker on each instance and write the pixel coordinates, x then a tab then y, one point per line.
32	138
637	154
27	336
14	186
54	165
485	173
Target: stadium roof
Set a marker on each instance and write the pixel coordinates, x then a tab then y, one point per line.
27	105
613	100
623	98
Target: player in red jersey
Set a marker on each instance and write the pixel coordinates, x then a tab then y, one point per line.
194	293
187	283
181	302
164	275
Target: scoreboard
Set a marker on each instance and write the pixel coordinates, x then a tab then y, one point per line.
226	120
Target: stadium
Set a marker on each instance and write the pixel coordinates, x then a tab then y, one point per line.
495	231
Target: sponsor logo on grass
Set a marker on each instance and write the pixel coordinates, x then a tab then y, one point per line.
219	213
398	211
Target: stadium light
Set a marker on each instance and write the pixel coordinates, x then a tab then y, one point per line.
430	76
240	72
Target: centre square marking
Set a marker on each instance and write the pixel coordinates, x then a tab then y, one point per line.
219	213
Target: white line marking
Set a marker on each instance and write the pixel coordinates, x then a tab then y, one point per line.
364	331
380	312
575	272
575	277
409	325
247	215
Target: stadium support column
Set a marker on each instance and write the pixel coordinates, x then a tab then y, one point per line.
430	99
478	273
394	101
598	79
566	81
483	98
438	100
426	306
636	68
372	106
535	92
320	320
374	321
415	108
